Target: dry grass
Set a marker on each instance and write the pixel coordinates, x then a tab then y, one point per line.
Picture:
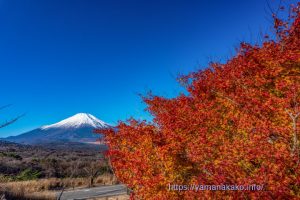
47	195
47	188
120	197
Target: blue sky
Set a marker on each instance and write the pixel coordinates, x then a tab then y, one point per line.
59	57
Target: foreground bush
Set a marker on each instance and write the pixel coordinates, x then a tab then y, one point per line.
238	125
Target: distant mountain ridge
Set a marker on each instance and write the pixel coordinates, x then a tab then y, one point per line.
78	128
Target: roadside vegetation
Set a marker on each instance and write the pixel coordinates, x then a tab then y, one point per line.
48	188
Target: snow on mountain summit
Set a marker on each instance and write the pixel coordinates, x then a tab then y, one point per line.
78	120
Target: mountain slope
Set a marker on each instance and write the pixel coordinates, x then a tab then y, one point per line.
78	128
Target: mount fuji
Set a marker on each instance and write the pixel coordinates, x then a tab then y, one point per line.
75	129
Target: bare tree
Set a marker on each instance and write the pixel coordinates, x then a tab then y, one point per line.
95	169
92	171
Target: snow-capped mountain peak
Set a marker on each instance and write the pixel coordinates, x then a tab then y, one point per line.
78	120
78	128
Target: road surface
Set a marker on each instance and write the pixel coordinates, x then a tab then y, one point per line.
103	191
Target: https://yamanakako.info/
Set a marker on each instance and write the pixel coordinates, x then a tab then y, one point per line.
227	187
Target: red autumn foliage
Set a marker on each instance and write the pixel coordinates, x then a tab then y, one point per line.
239	124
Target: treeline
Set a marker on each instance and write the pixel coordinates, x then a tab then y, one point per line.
22	162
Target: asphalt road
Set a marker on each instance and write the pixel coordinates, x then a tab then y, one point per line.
103	191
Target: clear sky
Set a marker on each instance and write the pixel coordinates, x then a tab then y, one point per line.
59	57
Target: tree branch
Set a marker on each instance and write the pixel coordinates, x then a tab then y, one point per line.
11	121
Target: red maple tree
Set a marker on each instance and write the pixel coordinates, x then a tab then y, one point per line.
238	125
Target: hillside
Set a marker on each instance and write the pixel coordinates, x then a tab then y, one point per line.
25	162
